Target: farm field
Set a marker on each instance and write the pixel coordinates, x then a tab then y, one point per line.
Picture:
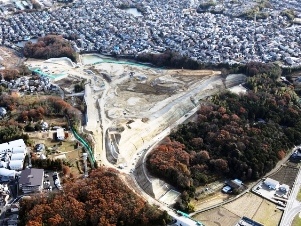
217	217
249	205
267	214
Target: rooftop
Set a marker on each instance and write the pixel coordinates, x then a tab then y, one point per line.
32	177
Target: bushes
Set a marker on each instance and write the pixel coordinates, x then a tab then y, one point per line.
48	164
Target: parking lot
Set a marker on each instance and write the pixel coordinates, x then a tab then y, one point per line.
49	181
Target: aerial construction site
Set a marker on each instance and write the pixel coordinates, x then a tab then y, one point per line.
130	108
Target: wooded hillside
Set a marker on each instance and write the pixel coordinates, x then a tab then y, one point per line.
235	136
102	199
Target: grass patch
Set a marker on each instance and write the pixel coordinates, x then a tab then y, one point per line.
297	220
299	196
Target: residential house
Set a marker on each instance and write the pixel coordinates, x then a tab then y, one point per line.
271	183
31	180
60	134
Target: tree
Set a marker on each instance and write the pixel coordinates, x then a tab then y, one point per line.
66	170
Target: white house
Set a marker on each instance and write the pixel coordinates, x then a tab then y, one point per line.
271	183
60	134
16	164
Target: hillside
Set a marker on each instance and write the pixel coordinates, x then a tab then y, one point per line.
237	136
102	199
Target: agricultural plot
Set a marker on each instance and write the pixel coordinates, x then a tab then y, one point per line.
217	217
267	214
249	205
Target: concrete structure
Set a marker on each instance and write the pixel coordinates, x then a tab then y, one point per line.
31	180
271	183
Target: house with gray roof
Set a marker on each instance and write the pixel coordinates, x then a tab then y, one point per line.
31	180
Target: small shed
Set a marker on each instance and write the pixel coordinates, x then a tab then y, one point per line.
271	183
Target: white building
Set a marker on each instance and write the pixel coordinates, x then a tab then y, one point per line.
60	134
17	156
6	174
3	164
16	164
17	143
271	183
19	150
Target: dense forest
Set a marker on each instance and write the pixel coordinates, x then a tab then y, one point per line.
102	199
50	46
236	136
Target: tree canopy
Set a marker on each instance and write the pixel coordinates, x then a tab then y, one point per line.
50	46
102	199
238	136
